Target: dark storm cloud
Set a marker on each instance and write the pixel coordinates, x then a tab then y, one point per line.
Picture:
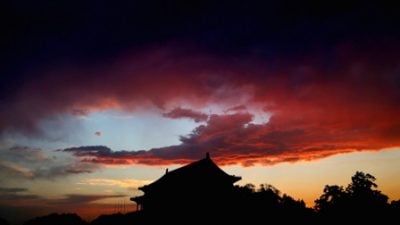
12	190
31	163
37	34
39	38
328	73
80	199
100	150
186	113
15	194
21	196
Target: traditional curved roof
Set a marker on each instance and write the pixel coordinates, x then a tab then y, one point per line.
201	170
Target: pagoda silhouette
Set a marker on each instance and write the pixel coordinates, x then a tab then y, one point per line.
198	185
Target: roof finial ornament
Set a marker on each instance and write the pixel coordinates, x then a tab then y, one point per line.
166	171
207	155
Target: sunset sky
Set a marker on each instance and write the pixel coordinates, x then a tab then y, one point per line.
98	98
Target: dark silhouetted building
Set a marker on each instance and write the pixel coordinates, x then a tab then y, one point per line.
201	184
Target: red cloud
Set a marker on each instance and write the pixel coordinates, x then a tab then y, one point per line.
186	113
318	108
234	139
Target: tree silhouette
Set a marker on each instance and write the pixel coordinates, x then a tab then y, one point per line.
331	200
394	210
254	203
362	191
361	182
359	202
395	204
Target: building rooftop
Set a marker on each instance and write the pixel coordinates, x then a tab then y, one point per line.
201	170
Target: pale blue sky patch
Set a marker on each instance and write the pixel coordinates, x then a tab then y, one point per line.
133	131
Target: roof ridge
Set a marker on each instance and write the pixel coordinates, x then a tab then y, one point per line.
203	167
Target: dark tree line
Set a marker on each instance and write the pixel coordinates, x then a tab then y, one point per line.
267	202
359	202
